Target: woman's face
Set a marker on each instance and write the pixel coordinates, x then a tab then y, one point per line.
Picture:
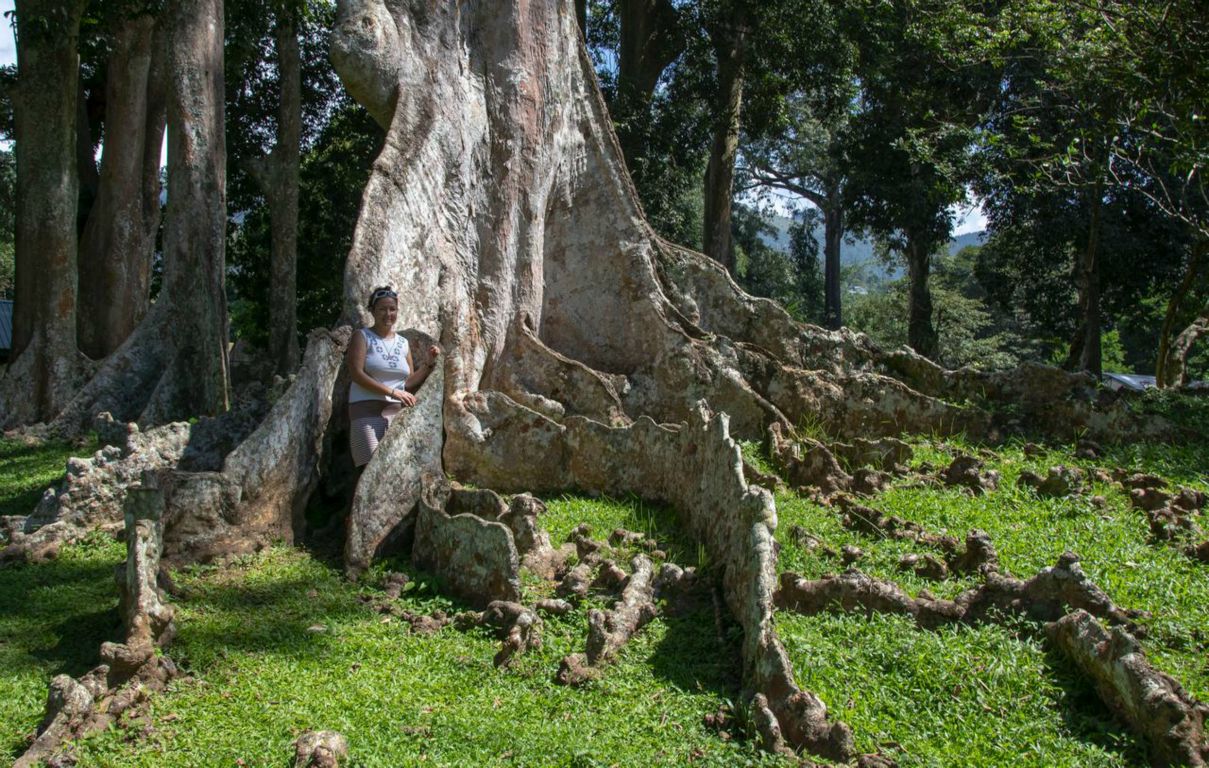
386	311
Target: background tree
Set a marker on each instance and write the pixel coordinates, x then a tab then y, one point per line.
45	368
923	86
122	216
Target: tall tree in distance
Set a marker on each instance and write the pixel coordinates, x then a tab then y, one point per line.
118	241
729	28
277	176
803	155
651	37
924	84
46	367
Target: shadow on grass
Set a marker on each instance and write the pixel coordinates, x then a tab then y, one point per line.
53	618
1085	715
73	601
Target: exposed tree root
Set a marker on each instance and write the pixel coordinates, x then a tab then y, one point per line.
518	627
1045	597
130	671
609	630
1059	481
1151	702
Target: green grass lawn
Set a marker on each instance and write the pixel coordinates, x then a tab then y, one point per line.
991	695
281	642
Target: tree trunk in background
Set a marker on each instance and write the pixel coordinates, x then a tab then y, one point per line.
1089	289
730	42
195	379
1181	348
833	236
277	176
581	16
119	239
1162	375
920	333
45	364
650	41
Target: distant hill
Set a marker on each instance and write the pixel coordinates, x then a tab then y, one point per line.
859	251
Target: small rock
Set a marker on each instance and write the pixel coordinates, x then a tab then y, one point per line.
320	749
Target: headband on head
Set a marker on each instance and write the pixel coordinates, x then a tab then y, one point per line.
385	292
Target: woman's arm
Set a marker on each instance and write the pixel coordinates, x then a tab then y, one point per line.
354	361
419	376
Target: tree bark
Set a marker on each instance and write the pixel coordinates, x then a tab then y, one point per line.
1181	348
730	42
195	378
119	238
42	376
277	176
1161	366
921	335
1090	358
650	41
833	236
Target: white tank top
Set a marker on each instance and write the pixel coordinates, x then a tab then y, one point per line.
385	361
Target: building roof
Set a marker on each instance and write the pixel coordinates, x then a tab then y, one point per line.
6	324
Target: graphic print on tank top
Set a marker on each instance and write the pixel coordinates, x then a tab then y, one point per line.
392	356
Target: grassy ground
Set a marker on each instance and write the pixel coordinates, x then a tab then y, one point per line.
992	695
281	642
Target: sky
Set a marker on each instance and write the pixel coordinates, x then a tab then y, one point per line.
8	51
967	218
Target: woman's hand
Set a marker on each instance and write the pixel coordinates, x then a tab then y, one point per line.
403	396
433	353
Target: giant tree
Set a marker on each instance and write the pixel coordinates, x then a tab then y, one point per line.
118	240
45	372
174	364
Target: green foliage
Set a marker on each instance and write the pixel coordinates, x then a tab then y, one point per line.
970	333
8	205
794	278
332	179
280	642
27	470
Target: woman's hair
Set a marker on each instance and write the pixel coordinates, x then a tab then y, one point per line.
381	292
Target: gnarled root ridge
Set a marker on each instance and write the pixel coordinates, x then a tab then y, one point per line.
518	627
132	670
1151	702
696	468
609	630
1044	597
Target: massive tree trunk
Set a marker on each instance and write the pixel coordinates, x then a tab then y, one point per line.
650	41
277	176
119	239
730	43
833	238
174	365
921	334
46	364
